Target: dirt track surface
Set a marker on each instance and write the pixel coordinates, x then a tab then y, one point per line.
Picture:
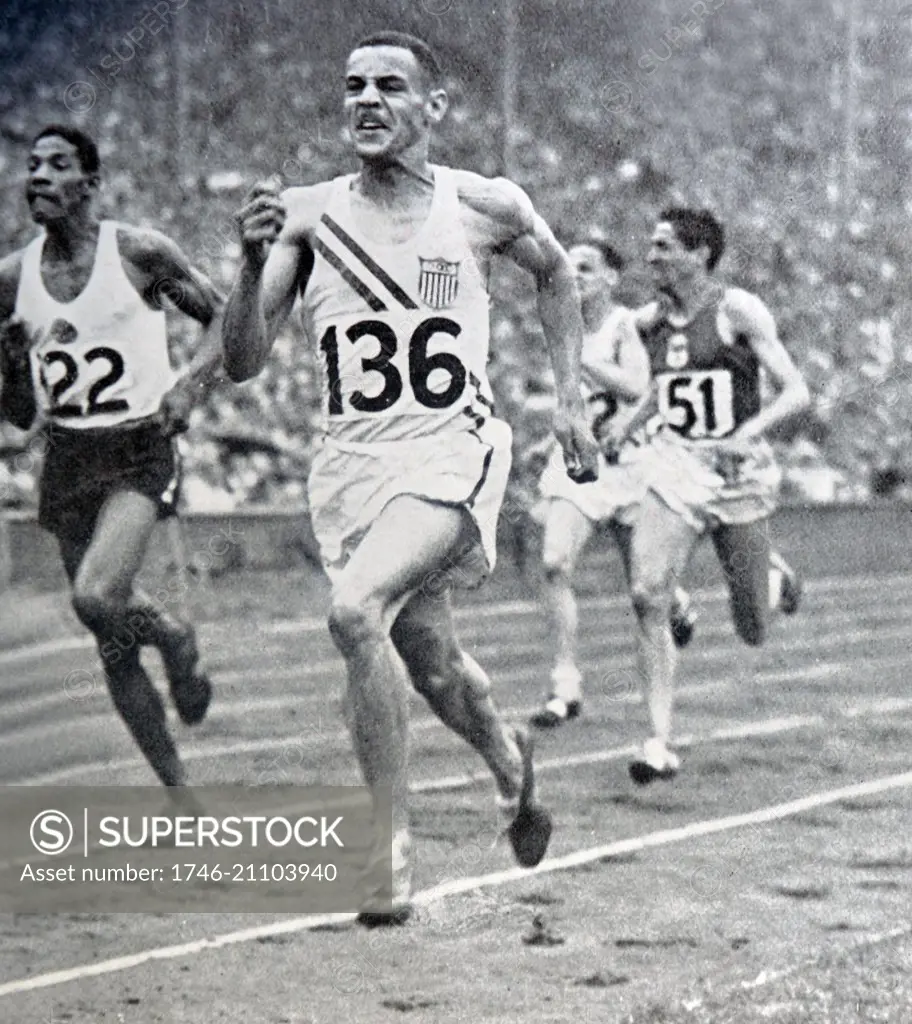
671	929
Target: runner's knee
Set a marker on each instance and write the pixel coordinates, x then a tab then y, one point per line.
651	598
95	608
556	567
354	623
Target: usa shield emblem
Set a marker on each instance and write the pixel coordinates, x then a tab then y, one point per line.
438	282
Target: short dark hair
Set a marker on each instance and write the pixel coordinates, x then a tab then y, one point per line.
86	150
611	257
422	52
695	228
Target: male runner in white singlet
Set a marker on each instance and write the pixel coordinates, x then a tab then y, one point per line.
392	265
615	376
83	325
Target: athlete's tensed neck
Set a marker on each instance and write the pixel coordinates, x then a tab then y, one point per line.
684	299
68	236
395	182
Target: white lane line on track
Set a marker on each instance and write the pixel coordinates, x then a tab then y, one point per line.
823	585
827	623
769	727
748	730
768	977
744	730
455	887
818	672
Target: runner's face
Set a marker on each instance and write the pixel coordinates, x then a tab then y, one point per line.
386	102
672	264
57	185
593	275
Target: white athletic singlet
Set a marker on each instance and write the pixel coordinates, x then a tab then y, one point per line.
401	331
601	349
102	359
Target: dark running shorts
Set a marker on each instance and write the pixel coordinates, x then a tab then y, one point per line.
83	468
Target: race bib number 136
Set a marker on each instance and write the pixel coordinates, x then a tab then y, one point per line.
698	404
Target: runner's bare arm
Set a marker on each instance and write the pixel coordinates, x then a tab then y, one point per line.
647	406
526	239
521	235
17	394
749	316
628	378
276	263
168	278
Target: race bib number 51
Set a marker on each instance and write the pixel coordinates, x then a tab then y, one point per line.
698	404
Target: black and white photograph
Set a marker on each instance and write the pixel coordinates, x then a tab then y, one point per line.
455	536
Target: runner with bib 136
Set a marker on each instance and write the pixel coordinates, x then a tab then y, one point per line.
391	265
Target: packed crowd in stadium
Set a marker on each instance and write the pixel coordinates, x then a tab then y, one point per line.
601	165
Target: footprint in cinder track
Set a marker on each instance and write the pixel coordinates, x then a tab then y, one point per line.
642	802
619	858
754	761
863	806
670	943
811	820
615	799
666	807
407	1005
712	769
802	892
539	899
899	861
587	869
599	980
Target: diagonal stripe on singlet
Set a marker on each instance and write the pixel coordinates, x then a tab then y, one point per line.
486	465
368	262
375	303
476	383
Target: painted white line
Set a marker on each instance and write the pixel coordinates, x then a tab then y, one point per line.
747	730
709	595
123	963
455	887
29	652
608	643
768	977
695	830
877	939
316	735
768	727
894	583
